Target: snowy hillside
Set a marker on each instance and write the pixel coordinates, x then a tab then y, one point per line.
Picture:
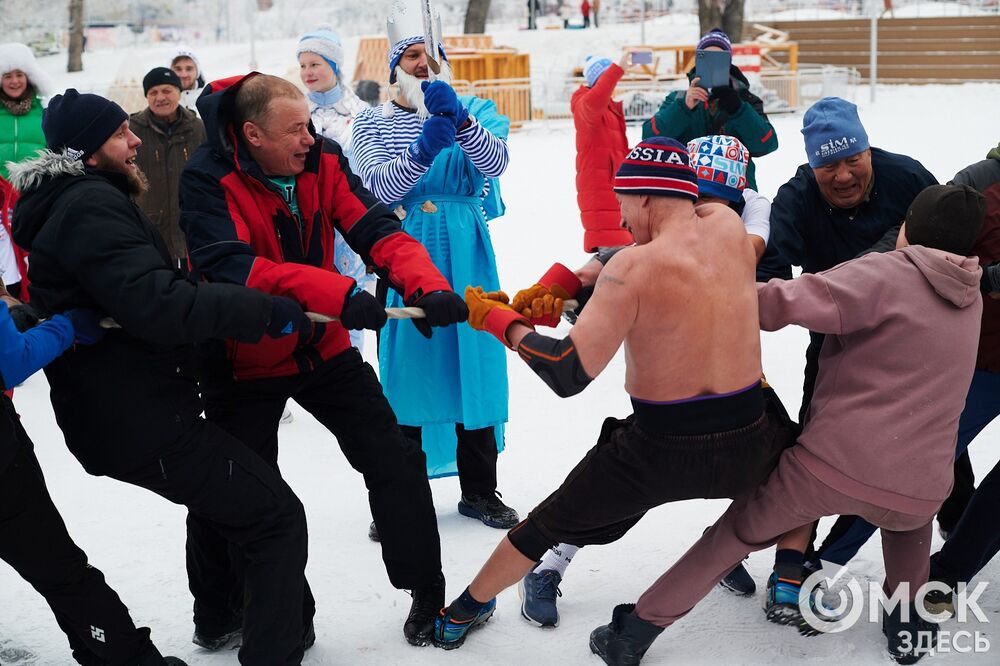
137	539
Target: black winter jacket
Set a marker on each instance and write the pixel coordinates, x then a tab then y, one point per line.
126	399
806	231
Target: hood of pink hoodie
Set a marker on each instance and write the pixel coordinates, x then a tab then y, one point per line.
954	278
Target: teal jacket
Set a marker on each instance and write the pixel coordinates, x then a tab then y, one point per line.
749	124
20	136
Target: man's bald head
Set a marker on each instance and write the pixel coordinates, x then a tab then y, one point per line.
254	98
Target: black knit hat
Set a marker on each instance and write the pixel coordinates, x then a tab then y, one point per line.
80	123
159	76
946	217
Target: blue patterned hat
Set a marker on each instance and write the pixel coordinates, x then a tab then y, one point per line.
720	162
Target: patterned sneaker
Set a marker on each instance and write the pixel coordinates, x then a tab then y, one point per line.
538	592
781	603
739	581
490	510
450	633
937	602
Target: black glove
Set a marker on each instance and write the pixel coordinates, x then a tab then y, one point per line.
729	98
287	317
582	297
24	317
86	326
441	308
362	310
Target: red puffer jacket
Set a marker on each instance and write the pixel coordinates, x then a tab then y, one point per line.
240	230
601	146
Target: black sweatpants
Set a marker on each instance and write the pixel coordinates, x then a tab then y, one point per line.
34	541
345	396
476	457
227	487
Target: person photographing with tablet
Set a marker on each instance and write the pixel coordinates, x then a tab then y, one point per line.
717	101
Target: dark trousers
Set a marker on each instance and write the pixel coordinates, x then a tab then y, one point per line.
976	539
345	396
229	489
476	458
34	541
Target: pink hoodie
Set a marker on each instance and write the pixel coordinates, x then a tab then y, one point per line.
903	330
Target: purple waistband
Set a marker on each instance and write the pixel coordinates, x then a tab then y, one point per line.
698	398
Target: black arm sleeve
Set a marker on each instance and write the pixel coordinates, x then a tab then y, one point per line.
556	362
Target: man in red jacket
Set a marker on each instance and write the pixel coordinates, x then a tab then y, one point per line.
259	204
601	146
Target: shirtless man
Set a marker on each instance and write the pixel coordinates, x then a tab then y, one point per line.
684	303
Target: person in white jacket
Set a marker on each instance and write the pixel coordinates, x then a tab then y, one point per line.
333	105
185	65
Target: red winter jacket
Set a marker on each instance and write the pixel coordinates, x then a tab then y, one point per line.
8	198
240	230
601	147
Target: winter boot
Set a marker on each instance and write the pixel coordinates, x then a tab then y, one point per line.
217	639
490	510
739	581
427	602
174	661
908	641
373	533
538	592
625	640
450	629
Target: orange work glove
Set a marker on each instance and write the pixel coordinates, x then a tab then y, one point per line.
489	312
542	303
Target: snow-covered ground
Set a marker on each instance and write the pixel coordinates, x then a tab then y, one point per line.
137	539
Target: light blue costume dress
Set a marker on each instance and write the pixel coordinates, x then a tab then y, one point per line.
459	375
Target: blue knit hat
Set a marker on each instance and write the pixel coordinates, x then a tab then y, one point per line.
593	67
80	123
832	131
716	37
325	43
397	49
657	166
720	162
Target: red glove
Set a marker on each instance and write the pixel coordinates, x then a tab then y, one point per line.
542	303
489	312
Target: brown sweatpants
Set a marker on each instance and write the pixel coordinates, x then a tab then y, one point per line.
791	497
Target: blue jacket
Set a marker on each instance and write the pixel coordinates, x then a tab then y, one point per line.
806	231
21	355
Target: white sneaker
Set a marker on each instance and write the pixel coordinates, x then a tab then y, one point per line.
286	416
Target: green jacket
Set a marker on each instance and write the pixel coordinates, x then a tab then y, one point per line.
162	158
20	136
749	124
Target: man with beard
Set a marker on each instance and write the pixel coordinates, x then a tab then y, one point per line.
260	202
436	158
128	406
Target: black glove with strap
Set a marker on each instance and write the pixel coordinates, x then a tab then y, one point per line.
441	308
362	310
24	316
729	98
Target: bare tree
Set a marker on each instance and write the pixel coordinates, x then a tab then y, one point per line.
75	63
475	16
725	14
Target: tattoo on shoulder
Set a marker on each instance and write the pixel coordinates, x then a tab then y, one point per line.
609	279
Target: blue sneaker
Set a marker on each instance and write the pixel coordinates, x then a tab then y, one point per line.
538	592
450	633
781	603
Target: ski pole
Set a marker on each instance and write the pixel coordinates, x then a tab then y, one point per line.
391	313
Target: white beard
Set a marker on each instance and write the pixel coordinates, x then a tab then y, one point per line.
409	87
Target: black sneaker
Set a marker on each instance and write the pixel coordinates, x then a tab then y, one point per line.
910	641
490	510
174	661
373	533
739	581
427	603
216	640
